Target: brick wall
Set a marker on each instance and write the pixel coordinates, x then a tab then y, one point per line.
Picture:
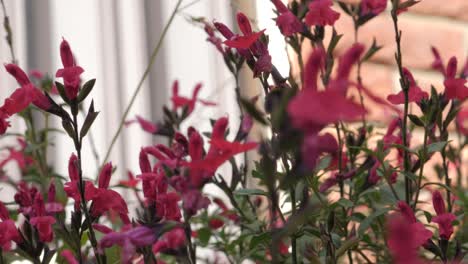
442	24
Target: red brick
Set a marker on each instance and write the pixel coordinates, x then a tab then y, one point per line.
418	36
457	9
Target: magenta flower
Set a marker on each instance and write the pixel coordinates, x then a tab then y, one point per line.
454	87
129	240
70	71
315	145
373	7
9	234
321	14
68	256
181	102
287	22
193	201
415	93
145	124
404	239
444	219
173	239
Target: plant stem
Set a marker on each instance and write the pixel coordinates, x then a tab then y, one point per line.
405	88
140	83
293	236
9	36
78	143
423	161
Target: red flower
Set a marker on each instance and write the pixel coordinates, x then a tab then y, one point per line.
462	121
167	206
18	73
321	14
4	214
104	176
129	240
287	22
43	224
244	42
312	69
173	239
312	110
70	72
194	201
9	233
216	223
454	87
52	206
415	93
404	238
68	256
131	182
314	145
373	7
181	102
17	155
145	124
443	219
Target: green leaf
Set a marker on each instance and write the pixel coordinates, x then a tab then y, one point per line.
204	235
87	88
259	239
436	147
370	219
416	120
347	245
345	203
61	90
250	192
88	120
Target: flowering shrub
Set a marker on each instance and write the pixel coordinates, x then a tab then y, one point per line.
331	186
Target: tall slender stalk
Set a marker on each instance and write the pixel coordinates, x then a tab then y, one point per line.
142	80
404	83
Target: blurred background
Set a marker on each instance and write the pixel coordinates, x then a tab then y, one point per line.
113	39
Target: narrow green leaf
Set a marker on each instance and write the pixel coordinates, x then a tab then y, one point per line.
87	88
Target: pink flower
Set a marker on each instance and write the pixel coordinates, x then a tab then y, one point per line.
215	223
167	206
194	201
17	156
462	121
173	239
404	238
4	214
9	234
444	219
415	93
70	71
312	110
18	73
68	256
43	224
287	22
243	42
312	69
145	124
321	14
132	182
52	206
181	102
454	87
129	240
314	145
373	7
104	176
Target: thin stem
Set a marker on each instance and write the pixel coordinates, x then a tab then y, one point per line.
9	36
78	143
405	88
143	78
293	236
447	180
423	161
